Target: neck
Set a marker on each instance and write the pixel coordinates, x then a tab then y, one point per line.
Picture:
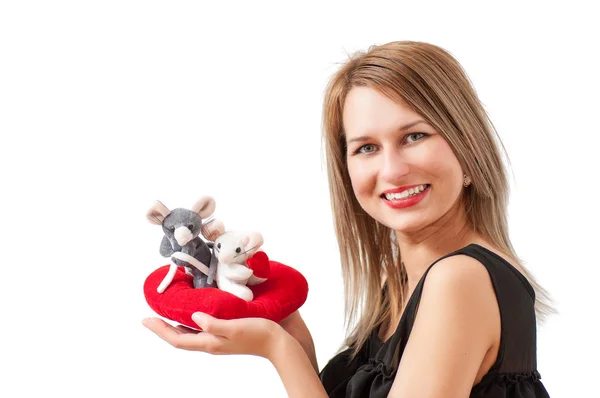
420	249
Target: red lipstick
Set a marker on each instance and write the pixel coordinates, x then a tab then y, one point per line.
400	189
405	202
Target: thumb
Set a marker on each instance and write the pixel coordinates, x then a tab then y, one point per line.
210	324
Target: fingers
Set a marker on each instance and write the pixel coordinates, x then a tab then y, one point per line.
185	329
183	340
162	329
212	325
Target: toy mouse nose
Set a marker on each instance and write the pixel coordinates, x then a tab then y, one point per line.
183	235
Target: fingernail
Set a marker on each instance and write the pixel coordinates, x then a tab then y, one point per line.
198	317
146	321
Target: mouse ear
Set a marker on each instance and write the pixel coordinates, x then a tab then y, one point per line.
205	206
157	213
213	229
252	242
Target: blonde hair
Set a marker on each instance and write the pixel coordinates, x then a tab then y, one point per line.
434	85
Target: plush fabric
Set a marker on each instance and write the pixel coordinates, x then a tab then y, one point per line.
259	263
276	298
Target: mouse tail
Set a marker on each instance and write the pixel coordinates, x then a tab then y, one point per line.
167	279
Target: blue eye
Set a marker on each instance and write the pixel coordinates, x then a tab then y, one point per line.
409	139
420	136
368	148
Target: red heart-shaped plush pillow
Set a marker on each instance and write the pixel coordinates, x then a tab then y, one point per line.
276	298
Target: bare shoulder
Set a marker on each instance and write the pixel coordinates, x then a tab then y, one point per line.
458	273
456	331
465	271
462	286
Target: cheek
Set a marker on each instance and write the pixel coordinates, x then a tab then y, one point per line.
361	179
445	169
441	159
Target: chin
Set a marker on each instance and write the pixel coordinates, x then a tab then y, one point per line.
406	228
404	223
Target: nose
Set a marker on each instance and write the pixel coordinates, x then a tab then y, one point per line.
395	167
183	235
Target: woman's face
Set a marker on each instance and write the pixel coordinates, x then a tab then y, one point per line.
391	149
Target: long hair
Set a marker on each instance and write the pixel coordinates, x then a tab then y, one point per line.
435	86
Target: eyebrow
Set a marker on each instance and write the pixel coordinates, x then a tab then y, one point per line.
405	127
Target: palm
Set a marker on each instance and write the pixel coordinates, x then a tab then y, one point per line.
251	336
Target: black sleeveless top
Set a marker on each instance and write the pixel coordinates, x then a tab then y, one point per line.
513	375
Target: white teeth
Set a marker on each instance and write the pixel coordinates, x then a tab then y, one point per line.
404	194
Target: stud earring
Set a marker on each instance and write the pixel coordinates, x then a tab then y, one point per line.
466	180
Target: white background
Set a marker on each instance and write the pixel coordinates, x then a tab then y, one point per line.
107	106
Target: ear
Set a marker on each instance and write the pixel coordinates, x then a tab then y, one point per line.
158	212
205	206
252	242
213	229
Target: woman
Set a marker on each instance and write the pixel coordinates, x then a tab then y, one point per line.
439	303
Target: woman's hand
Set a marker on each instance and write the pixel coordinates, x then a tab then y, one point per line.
291	353
295	326
250	336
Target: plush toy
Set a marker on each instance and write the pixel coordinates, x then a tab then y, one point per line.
225	275
182	243
232	250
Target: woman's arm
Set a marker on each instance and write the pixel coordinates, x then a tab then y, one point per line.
295	368
457	324
295	326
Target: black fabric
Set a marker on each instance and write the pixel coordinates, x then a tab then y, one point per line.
513	375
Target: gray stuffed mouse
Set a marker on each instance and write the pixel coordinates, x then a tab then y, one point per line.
182	242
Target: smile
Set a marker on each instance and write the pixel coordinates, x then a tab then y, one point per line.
406	198
407	193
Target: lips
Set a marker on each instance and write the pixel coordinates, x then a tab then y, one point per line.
408	201
385	194
400	189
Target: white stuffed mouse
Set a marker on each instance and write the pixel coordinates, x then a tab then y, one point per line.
232	249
